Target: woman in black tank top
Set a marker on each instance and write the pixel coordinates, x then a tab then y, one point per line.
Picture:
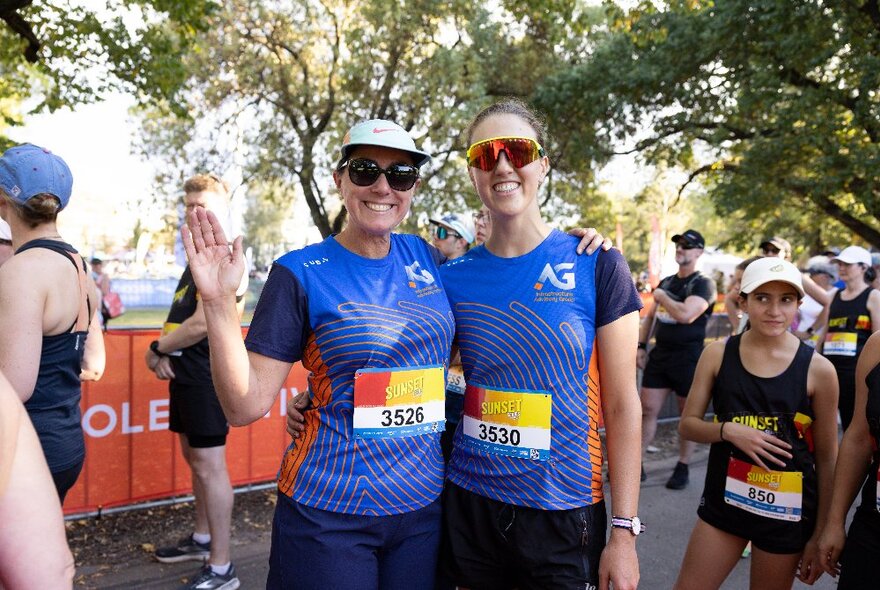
49	332
858	461
774	442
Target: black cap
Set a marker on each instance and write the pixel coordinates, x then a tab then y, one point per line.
692	237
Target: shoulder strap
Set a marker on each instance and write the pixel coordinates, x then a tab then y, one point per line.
84	315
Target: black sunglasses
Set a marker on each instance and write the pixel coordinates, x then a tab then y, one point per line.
442	233
364	172
686	246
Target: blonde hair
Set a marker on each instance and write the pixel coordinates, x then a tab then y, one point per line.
205	182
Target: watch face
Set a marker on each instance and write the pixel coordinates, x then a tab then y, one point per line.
637	525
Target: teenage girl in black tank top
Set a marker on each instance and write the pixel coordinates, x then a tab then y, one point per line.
774	442
858	464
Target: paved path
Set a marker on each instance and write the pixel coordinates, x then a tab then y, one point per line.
669	515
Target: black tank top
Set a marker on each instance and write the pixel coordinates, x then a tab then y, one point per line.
869	490
54	406
849	327
776	405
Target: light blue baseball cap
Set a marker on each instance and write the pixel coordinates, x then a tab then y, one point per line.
384	134
28	170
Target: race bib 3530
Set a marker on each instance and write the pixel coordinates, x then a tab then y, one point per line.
508	422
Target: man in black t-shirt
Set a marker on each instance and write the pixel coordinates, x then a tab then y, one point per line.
682	305
182	356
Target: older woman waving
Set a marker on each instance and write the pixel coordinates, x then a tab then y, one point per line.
365	313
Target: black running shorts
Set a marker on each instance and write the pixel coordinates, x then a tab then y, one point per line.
492	545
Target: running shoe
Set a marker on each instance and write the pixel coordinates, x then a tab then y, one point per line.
209	580
187	549
679	478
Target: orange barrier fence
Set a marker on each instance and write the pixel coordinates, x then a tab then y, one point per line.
131	456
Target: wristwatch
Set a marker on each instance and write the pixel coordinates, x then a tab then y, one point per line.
633	525
154	346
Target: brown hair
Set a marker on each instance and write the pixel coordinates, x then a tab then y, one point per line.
39	209
742	265
205	182
512	106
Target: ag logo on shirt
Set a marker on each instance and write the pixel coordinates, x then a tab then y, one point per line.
421	280
416	274
550	274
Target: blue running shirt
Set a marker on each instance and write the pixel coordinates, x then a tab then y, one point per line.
526	327
341	313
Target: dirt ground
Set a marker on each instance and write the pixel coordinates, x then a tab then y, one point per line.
107	544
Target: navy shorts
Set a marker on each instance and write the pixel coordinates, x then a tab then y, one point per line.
672	369
491	545
315	549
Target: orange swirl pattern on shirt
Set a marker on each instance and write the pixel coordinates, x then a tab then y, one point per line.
327	468
519	349
299	448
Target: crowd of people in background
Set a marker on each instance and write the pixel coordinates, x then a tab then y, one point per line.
446	424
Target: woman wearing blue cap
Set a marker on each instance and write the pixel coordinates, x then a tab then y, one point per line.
48	319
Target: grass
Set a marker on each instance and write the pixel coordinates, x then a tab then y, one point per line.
154	317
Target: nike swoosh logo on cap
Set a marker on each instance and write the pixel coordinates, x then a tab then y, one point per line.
377	130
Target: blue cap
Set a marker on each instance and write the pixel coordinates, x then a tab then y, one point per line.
28	170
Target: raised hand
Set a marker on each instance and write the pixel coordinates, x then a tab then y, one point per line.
216	270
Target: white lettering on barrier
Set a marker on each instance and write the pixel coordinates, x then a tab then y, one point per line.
155	414
127	428
87	420
157	420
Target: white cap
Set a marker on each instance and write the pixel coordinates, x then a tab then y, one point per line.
767	270
5	232
854	255
458	223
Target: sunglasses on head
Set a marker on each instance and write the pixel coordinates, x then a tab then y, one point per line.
364	172
520	152
442	233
